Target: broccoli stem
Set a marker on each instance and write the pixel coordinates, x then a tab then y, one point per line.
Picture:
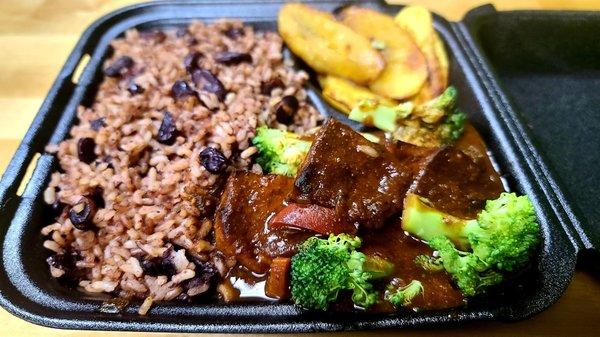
420	219
403	296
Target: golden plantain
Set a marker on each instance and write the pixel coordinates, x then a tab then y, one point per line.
345	95
328	46
406	68
417	21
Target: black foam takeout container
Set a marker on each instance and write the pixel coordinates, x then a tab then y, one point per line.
28	291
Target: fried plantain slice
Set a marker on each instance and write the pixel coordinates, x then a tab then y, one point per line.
418	22
328	46
406	68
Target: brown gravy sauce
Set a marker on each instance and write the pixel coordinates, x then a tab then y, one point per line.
389	242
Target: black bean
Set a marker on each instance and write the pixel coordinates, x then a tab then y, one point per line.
167	266
183	297
182	89
97	124
151	267
117	68
64	261
234	32
206	271
85	150
213	160
206	81
157	35
135	89
230	58
195	282
206	278
167	133
286	109
56	261
97	195
196	286
268	86
190	62
82	213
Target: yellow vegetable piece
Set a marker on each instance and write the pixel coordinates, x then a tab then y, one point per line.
418	22
328	46
442	57
344	95
406	68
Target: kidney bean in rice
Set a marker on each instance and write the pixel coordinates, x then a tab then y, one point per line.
149	238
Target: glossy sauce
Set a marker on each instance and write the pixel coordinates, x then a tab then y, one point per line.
250	200
394	245
241	220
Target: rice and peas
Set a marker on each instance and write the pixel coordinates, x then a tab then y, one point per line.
134	192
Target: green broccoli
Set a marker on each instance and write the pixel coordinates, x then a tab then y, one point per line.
433	123
324	267
435	109
506	232
502	239
403	296
453	126
472	276
280	152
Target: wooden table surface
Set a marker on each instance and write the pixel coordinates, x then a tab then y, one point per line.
35	39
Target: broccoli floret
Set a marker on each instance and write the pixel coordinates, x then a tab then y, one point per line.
453	126
471	275
433	123
503	238
280	152
433	110
403	296
324	267
506	232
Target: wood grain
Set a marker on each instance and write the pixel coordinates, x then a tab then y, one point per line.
37	35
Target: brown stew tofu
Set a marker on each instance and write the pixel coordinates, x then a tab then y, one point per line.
457	184
361	180
241	230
